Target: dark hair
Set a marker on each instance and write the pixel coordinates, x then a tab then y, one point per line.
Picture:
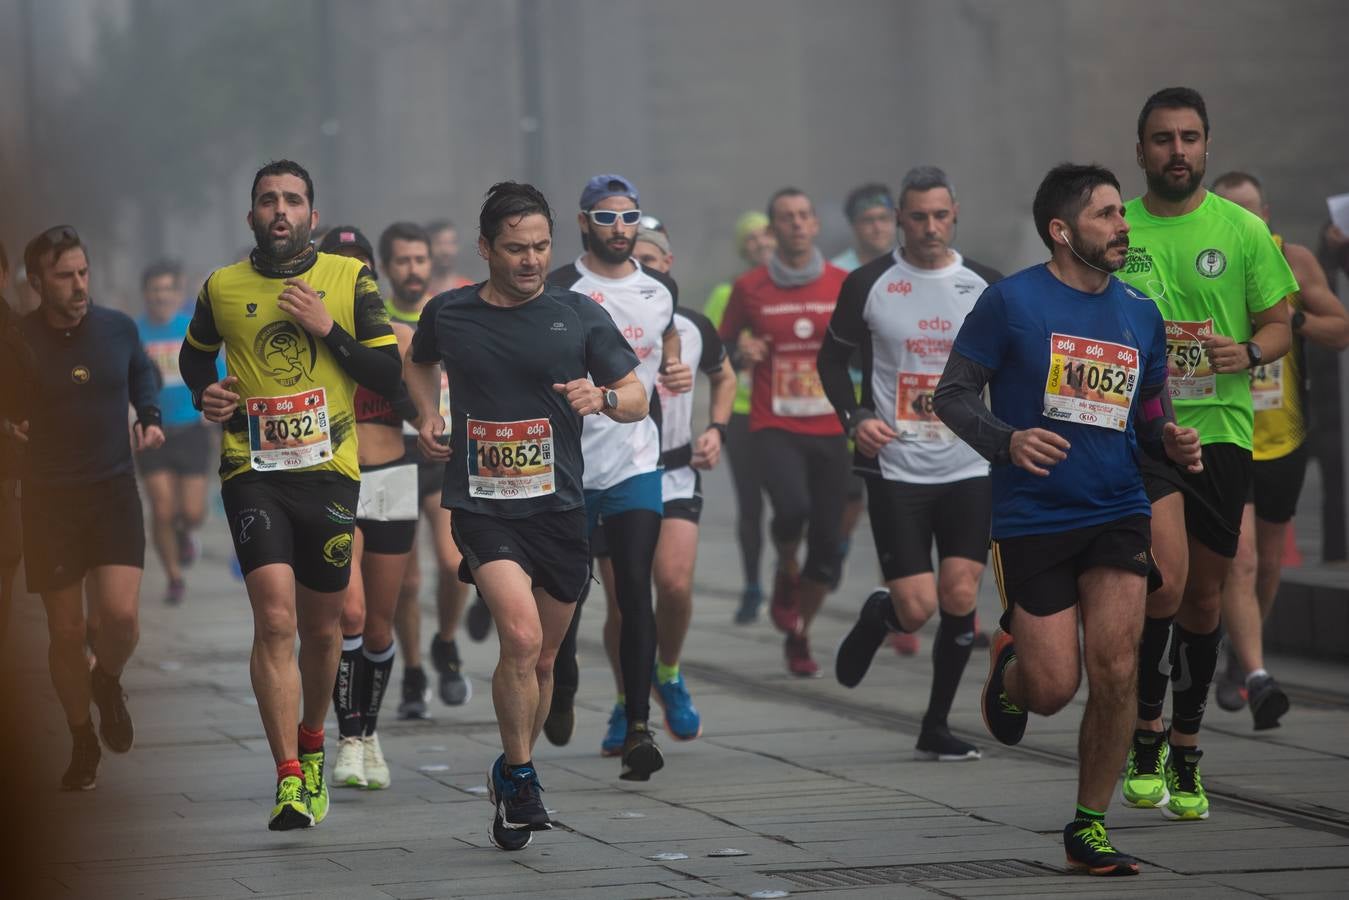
784	192
1237	179
1173	98
401	231
1065	192
54	241
283	167
159	269
925	178
866	196
436	226
510	200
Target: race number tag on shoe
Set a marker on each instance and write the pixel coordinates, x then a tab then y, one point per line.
1090	382
288	432
1185	352
914	418
797	391
510	460
1267	386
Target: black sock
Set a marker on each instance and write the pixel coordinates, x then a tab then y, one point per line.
508	770
1153	668
83	731
1086	816
950	653
348	686
378	666
1194	659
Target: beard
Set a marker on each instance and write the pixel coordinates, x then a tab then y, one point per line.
288	247
409	290
1161	184
1098	257
606	253
442	265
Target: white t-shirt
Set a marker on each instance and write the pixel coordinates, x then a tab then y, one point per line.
701	349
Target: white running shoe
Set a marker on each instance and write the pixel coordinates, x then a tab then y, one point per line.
376	768
349	769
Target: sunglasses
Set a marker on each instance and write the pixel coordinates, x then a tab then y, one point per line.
608	217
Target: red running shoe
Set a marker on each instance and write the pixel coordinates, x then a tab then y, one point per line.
799	662
782	608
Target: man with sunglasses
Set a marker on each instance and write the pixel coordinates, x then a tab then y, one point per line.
622	463
82	525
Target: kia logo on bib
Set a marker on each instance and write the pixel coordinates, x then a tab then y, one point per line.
803	328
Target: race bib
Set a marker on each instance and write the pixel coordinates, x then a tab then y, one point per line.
1267	386
1185	353
289	432
510	460
914	418
1090	382
164	354
797	391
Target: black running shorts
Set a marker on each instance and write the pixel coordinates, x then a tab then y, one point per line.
905	518
550	546
1213	498
186	452
1276	485
302	519
70	529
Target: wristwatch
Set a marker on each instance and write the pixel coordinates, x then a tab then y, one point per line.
1253	352
610	399
1299	319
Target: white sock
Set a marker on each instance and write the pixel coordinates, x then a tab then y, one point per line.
1251	676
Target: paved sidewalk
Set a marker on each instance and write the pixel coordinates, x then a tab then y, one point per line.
812	785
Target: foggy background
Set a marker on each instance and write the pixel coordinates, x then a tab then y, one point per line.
141	122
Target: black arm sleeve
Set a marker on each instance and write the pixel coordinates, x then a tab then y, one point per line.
847	328
378	368
1150	430
198	370
959	403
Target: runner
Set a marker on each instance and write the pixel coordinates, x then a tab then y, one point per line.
514	463
754	244
405	254
444	258
622	474
288	460
900	313
83	535
1076	366
1219	282
870	210
1280	462
776	318
175	474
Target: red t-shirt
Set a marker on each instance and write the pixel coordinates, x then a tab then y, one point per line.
786	392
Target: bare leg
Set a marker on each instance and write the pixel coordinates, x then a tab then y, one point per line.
65	651
408	617
192	501
508	591
275	676
318	614
555	617
115	592
1241	609
163	490
450	591
676	554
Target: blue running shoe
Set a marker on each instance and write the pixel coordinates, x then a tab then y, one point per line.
517	797
612	745
681	718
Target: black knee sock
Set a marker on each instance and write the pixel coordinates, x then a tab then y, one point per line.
347	689
950	653
566	670
1194	659
1154	669
378	666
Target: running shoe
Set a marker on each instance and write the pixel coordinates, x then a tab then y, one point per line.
82	773
1004	719
1089	849
681	717
939	745
616	733
479	619
517	797
1268	701
292	806
641	756
560	724
1144	784
176	592
504	838
316	788
349	767
416	694
799	661
860	644
455	687
376	767
750	601
114	719
782	607
1188	800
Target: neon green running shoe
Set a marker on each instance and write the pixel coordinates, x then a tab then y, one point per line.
1188	801
292	806
315	786
1144	781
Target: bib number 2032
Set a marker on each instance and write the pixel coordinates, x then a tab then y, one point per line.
288	432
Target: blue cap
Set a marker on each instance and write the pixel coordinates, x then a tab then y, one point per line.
602	187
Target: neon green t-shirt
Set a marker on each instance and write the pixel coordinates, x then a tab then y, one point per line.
1209	271
714	309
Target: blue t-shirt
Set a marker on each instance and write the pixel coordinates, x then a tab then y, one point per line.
1074	364
162	343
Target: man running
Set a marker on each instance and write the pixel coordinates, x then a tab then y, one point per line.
870	210
300	329
776	320
83	534
514	462
900	313
1280	462
444	258
1220	282
1076	366
175	474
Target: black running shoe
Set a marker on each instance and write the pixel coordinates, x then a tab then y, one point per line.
415	694
1267	700
114	719
455	688
939	745
504	838
82	773
1004	719
517	797
1088	848
560	724
641	756
1229	688
479	620
859	645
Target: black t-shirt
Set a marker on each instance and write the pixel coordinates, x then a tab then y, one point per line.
515	443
